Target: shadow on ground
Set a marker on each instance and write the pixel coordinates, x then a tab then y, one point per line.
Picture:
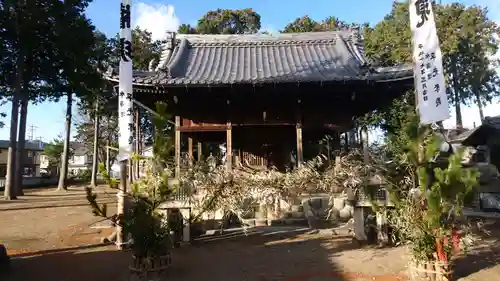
259	256
484	256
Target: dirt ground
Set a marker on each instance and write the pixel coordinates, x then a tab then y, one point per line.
50	237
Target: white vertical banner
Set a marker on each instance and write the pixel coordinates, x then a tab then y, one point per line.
125	116
428	64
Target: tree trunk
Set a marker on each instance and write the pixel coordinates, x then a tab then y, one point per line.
21	153
63	174
96	146
10	182
457	99
458	112
479	107
10	186
108	165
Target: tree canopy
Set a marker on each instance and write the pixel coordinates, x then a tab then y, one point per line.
53	151
467	38
306	24
225	21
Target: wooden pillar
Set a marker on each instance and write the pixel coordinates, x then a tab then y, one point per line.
120	208
137	140
200	152
177	146
190	151
229	147
300	156
95	156
186	230
229	138
298	129
365	145
108	163
346	142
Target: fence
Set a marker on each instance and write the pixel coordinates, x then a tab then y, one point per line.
33	181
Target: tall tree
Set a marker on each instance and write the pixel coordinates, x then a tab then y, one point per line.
389	43
306	24
28	64
225	21
186	29
20	153
107	132
480	43
95	144
302	24
53	152
146	50
80	64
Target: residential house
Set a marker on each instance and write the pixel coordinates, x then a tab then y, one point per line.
32	158
81	159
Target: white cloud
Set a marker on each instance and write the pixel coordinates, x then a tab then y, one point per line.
156	18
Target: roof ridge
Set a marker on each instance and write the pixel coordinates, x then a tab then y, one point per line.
260	43
303	36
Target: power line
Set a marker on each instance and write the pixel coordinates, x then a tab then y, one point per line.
31	132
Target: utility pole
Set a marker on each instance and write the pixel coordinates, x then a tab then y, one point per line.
31	132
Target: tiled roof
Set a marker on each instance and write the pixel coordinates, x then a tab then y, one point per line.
79	148
293	57
29	145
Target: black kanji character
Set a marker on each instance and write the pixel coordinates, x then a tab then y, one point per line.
433	56
125	49
423	11
437	88
420	46
421	55
429	76
435	72
423	80
122	94
428	65
424	93
438	101
424	86
124	16
122	103
422	71
426	98
129	96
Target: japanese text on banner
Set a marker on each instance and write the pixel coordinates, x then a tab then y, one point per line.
125	116
428	70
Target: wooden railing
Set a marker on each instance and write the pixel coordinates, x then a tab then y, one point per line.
253	160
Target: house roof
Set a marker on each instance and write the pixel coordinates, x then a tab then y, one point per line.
79	149
490	128
29	145
289	57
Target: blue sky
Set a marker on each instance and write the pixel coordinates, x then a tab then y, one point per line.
159	15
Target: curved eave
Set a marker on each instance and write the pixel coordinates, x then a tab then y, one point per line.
380	77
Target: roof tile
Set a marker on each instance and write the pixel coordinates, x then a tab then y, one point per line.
294	57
